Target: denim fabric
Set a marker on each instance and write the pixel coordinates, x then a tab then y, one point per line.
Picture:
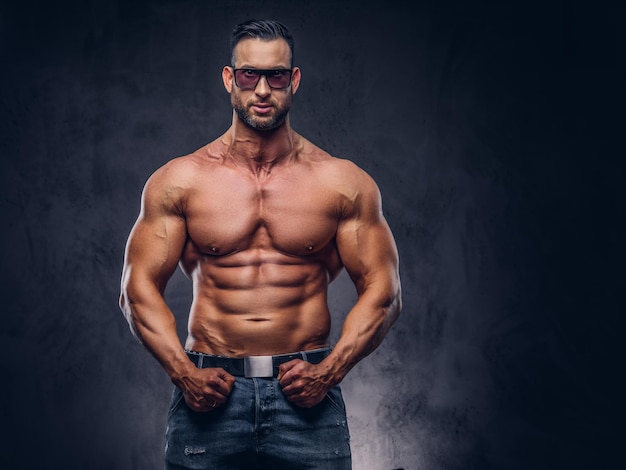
257	428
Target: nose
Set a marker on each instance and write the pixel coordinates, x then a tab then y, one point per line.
262	87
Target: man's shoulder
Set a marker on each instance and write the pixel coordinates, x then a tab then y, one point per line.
345	173
174	178
334	165
345	178
182	168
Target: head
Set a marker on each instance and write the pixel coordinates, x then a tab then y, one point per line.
266	30
261	78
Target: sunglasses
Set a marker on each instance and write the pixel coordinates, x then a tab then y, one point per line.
247	79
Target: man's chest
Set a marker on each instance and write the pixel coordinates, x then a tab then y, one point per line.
297	216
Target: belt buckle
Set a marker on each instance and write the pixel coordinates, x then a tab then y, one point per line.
258	366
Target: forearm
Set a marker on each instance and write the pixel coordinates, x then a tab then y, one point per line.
153	324
365	327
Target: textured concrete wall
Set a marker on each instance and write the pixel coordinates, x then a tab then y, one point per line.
490	129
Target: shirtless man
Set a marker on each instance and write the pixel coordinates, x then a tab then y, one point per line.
261	220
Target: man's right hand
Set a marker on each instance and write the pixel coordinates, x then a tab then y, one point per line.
205	389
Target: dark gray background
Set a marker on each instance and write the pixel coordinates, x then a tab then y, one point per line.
492	129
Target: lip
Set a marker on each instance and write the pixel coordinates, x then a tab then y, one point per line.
262	108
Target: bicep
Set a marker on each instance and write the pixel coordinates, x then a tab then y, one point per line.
156	241
368	252
154	248
367	247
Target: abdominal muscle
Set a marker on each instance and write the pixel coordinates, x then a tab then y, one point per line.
248	304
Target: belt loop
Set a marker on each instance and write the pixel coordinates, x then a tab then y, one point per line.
200	360
303	355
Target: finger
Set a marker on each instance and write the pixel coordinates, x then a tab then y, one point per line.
305	401
298	400
200	405
206	408
287	366
220	382
292	387
214	403
209	402
284	372
226	377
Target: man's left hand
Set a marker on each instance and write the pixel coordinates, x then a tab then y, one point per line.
304	384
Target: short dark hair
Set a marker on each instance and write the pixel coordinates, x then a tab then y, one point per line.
266	30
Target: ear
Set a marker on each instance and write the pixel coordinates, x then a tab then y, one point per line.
227	78
295	79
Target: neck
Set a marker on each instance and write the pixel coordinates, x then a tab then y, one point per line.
260	150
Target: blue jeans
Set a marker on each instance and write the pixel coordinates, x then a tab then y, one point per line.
258	428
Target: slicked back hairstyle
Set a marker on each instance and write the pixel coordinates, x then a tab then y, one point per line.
266	30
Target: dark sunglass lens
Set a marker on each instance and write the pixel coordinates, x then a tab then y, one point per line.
279	78
246	78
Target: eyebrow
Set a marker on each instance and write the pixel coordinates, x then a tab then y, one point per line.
246	66
261	70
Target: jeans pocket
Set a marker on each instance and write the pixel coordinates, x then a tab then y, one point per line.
335	399
177	399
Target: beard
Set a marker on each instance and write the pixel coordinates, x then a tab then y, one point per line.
262	123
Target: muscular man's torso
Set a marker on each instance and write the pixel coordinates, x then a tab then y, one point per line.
261	250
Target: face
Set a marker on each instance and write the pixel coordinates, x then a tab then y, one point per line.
263	108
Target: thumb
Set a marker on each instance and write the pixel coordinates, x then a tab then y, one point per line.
286	367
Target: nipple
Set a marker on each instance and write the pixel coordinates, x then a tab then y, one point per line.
309	247
214	249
